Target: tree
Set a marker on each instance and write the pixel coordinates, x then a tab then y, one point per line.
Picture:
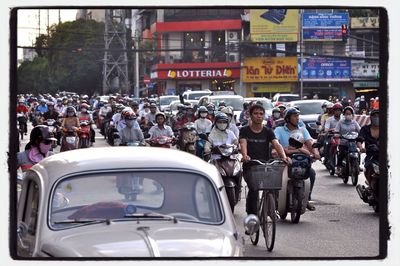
33	76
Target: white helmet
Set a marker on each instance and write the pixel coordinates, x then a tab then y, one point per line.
227	110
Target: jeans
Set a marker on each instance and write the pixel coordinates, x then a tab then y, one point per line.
312	181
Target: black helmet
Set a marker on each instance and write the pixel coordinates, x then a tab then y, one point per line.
202	109
290	111
348	108
220	116
40	132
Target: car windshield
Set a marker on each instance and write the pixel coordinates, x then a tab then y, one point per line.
126	195
196	95
167	100
288	98
236	103
309	108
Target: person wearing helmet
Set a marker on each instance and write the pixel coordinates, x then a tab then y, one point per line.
22	109
84	115
211	112
42	108
275	120
345	125
160	129
52	114
187	117
220	133
369	135
244	114
145	110
363	105
255	140
130	133
135	107
150	118
283	134
202	124
37	149
375	106
332	121
70	119
232	125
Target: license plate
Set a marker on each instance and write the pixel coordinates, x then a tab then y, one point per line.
70	140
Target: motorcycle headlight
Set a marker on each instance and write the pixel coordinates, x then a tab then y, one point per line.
376	168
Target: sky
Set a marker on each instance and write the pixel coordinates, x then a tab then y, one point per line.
28	26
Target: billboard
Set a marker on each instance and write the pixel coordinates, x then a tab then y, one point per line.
269	69
274	25
328	69
364	69
324	26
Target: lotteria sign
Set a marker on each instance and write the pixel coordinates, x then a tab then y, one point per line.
199	74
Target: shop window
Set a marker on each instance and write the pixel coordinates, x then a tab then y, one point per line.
194	46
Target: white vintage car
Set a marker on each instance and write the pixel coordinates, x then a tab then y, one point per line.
125	202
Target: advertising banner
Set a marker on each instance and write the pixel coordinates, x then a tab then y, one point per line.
274	25
364	70
324	26
328	69
269	69
198	73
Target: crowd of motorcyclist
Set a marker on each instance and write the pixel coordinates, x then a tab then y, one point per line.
125	121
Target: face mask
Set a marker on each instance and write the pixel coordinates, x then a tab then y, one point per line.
348	117
375	121
70	113
45	148
83	110
277	115
203	115
129	123
221	126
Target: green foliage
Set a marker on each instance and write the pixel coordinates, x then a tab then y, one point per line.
73	60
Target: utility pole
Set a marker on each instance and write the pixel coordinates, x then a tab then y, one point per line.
115	62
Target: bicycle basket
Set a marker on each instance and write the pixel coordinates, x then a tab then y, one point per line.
260	177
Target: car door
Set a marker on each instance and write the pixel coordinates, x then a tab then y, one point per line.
27	224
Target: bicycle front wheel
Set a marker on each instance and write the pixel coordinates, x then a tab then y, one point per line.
269	221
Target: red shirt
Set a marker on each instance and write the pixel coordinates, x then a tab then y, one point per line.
22	108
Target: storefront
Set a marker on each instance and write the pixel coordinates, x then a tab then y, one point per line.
177	78
365	76
265	76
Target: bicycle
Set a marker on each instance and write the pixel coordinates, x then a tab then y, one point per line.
265	177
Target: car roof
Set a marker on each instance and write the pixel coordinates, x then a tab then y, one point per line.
257	99
118	158
223	96
168	96
308	101
187	92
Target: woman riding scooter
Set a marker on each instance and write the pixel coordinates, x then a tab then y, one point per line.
70	126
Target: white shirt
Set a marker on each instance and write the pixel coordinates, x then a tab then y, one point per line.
203	125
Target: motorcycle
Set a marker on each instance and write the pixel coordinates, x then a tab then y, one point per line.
84	134
70	139
328	151
21	124
351	159
293	197
230	168
53	129
370	194
130	186
188	137
163	142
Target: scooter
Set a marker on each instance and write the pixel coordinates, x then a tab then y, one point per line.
351	160
329	152
70	139
84	134
21	124
130	186
53	129
293	196
370	194
188	137
163	142
230	168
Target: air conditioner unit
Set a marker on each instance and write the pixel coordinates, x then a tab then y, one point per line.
233	57
232	36
233	46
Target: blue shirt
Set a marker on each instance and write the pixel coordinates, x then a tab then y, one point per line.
283	134
42	109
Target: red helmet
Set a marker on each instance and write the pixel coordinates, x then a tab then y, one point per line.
337	106
128	114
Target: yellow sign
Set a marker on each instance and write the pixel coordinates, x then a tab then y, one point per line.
274	25
272	88
365	22
269	69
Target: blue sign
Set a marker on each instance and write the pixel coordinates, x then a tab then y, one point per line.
324	26
325	69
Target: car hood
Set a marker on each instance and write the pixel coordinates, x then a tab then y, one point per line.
143	240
